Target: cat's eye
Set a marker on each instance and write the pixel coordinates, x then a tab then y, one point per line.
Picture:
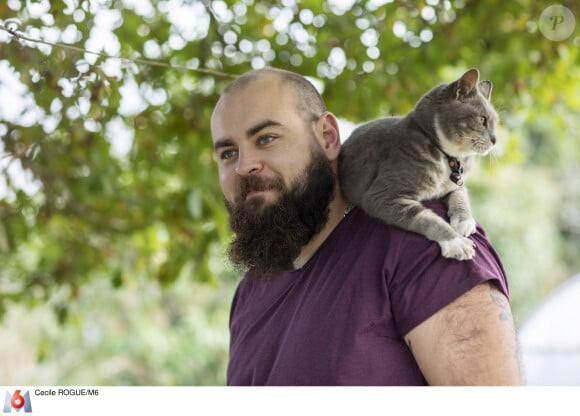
483	120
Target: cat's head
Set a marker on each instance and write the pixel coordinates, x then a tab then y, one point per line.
463	118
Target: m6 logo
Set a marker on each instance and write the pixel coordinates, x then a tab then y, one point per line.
17	402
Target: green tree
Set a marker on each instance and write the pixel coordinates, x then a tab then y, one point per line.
121	187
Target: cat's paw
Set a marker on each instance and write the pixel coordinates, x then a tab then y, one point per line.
464	226
460	248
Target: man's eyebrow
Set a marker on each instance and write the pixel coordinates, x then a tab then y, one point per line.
261	125
249	133
222	143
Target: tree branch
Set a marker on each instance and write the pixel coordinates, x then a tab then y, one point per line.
150	62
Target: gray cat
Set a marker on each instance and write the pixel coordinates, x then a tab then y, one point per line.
389	165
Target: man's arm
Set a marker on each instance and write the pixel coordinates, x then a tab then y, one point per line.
469	342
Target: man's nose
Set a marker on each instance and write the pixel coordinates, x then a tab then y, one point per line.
248	163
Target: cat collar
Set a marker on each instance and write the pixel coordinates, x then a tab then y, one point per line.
454	163
456	169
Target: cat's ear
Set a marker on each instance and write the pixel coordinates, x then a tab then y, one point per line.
467	84
485	88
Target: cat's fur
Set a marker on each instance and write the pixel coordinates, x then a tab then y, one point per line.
389	165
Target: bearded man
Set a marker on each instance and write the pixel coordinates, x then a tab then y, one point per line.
332	296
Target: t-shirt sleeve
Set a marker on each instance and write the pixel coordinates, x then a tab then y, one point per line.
421	281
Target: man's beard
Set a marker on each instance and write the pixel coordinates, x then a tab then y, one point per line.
269	238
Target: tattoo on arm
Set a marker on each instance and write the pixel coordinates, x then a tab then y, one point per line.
505	315
501	302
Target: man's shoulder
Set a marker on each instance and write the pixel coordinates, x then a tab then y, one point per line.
372	226
366	237
364	231
360	225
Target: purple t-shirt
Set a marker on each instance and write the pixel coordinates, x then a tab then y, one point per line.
341	319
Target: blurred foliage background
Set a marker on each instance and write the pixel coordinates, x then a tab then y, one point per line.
112	228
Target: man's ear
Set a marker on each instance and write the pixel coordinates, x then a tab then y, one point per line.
329	135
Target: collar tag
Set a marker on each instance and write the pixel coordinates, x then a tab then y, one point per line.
456	170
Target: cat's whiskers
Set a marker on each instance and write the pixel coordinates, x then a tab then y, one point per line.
478	145
493	158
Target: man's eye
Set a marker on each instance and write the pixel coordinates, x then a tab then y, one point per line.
228	154
265	139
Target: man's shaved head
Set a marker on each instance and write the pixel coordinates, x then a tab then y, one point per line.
308	100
